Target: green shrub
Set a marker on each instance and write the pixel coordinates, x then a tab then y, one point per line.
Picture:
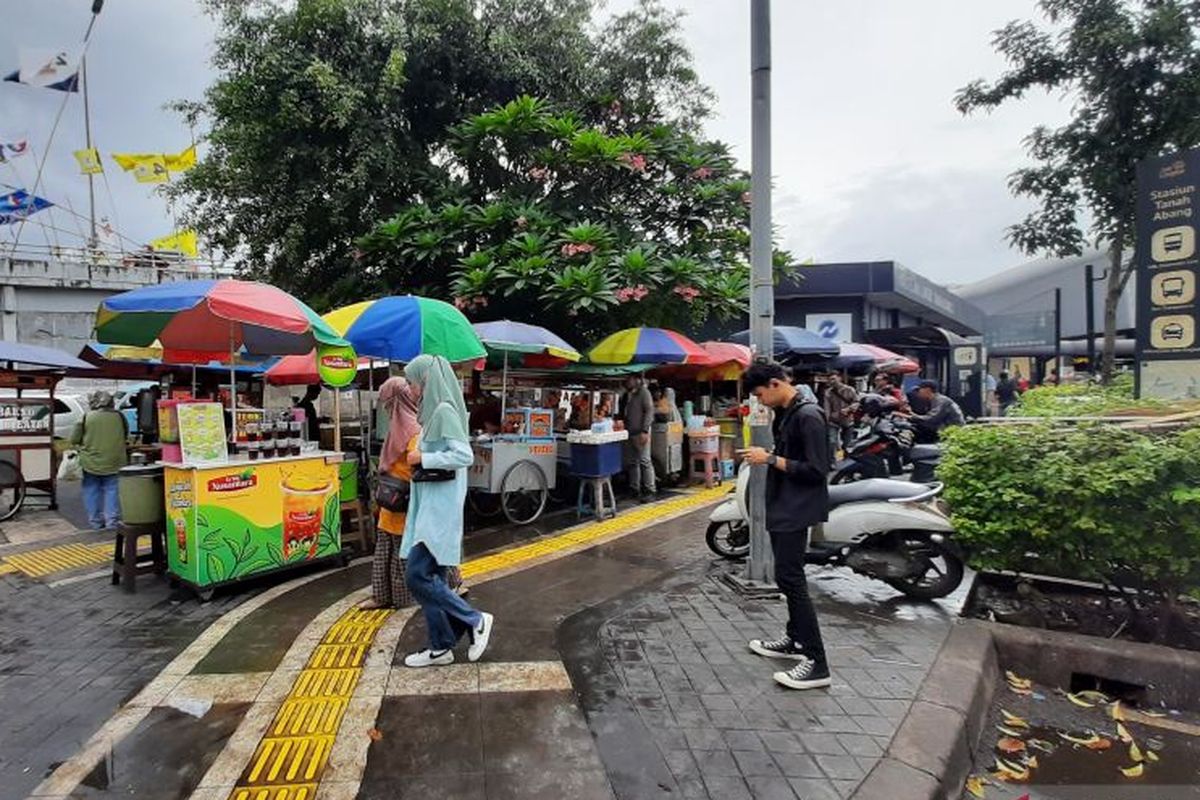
1083	400
1092	502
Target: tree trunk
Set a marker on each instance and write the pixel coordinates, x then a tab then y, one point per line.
1112	298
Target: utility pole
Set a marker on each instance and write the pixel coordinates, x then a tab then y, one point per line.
87	132
1058	371
761	567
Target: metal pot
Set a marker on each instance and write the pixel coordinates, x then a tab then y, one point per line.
140	488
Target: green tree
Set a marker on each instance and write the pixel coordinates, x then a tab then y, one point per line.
329	115
587	228
1132	72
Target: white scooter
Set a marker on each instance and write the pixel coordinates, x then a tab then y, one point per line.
894	531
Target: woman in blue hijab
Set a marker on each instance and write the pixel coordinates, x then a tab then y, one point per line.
434	529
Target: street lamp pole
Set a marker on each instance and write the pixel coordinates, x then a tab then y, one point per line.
761	568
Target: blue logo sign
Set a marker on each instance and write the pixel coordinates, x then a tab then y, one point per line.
828	329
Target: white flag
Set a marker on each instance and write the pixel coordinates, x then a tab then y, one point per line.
52	69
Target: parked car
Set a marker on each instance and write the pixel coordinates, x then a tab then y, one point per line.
69	410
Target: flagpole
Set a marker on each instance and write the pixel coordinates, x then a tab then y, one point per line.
87	130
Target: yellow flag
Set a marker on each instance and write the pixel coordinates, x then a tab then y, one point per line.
179	242
146	167
179	162
89	161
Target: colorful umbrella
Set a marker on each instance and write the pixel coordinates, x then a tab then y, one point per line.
402	327
648	346
213	316
529	341
729	361
885	359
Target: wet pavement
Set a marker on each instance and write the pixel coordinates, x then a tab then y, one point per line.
619	670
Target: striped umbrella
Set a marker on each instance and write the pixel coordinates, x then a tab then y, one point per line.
648	346
402	327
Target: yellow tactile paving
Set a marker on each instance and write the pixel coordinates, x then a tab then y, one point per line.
60	558
293	754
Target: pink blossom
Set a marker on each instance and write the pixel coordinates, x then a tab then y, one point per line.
688	293
357	255
461	303
521	221
480	301
634	161
614	108
700	173
570	249
539	173
632	293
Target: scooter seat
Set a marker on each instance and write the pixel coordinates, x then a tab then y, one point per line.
925	452
873	489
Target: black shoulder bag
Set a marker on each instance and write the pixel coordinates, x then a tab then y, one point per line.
392	493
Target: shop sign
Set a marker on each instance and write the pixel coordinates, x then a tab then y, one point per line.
25	417
336	366
1168	314
1027	329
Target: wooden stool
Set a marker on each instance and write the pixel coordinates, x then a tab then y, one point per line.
356	526
601	507
127	565
706	467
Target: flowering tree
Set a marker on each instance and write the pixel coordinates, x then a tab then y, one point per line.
590	227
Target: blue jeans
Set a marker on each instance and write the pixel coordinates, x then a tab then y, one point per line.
447	615
101	501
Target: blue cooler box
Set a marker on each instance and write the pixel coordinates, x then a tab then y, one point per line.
597	460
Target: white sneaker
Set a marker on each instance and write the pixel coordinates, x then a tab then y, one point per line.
428	658
480	637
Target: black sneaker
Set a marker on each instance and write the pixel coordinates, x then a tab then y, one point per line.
805	675
783	647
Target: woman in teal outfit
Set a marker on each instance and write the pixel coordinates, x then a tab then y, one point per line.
434	529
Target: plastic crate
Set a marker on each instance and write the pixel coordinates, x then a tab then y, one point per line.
597	460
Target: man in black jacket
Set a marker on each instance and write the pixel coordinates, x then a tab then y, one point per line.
797	498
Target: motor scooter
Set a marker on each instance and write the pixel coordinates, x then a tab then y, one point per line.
897	532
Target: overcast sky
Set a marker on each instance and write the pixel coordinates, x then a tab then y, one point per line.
871	161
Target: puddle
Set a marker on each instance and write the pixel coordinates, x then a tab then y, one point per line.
1069	752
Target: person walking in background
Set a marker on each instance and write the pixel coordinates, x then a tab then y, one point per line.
637	408
796	498
433	531
838	402
101	437
1006	393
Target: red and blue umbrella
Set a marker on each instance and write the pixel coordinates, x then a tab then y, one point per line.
213	316
648	346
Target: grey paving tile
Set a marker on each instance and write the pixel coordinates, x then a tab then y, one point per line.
755	763
717	764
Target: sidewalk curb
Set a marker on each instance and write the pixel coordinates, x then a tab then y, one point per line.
931	752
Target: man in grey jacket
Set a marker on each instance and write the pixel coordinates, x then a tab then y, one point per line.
637	410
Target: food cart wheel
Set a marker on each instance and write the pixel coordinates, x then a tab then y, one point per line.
484	504
12	489
523	492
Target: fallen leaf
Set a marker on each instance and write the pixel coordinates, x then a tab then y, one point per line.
1017	681
1133	772
1086	742
975	784
1013	720
1101	743
1092	696
1118	713
375	734
1123	734
1039	696
1135	753
1009	731
1012	772
1010	745
1155	714
1151	756
1079	701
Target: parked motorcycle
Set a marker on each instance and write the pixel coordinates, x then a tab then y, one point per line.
897	532
887	441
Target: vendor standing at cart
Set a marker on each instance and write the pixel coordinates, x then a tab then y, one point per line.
101	437
638	414
433	531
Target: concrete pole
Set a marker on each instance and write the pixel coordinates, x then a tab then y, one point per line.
761	567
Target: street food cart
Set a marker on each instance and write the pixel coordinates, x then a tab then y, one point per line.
233	517
520	471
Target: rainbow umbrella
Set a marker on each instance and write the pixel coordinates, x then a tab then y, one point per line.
648	346
508	337
223	318
402	327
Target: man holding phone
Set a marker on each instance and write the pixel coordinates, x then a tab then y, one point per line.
797	498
